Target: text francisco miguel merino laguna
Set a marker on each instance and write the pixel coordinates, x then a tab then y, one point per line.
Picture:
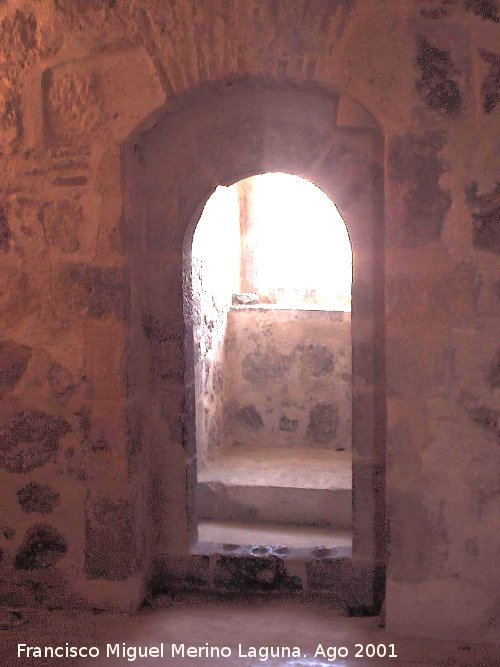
132	653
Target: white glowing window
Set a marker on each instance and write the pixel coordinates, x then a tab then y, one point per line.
301	248
279	236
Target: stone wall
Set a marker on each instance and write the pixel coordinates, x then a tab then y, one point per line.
288	378
215	275
82	336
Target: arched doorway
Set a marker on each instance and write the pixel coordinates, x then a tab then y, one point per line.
271	300
217	137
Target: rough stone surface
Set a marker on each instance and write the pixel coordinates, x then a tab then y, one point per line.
493	375
61	222
213	92
30	439
284	363
104	291
109	539
38	498
488	10
14	360
61	383
43	546
323	422
415	161
5	232
486	230
264	365
288	425
437	84
318	360
249	416
254	574
490	85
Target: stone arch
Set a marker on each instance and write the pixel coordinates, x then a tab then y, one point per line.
220	135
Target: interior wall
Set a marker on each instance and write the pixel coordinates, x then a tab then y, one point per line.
77	80
215	276
288	378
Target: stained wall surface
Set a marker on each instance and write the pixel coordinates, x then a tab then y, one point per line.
76	79
288	378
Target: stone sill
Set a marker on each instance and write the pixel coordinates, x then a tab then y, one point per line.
276	306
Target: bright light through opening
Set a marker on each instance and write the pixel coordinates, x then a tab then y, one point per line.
302	250
289	236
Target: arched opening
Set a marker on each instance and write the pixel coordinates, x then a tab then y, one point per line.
217	137
271	290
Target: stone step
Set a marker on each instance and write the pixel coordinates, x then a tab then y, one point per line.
292	488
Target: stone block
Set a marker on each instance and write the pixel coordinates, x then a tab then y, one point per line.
14	359
415	164
30	439
43	546
37	498
254	574
110	551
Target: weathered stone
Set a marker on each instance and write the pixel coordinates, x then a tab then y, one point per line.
414	161
10	118
249	416
493	375
436	9
318	360
103	290
30	439
490	85
436	84
9	533
487	418
5	233
253	574
18	36
134	418
43	547
263	366
323	423
14	360
488	10
486	230
485	200
61	222
289	425
38	498
109	539
70	181
74	106
61	383
84	416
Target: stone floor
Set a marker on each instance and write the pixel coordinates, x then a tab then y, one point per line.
313	628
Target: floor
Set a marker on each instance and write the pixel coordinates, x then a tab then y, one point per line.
312	628
279	467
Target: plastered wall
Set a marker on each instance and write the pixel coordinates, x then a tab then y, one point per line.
288	378
76	442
